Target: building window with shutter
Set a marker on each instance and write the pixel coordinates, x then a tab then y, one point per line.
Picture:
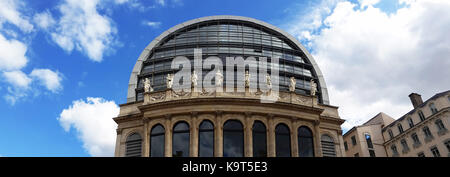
400	128
328	148
433	108
391	135
435	152
410	122
353	140
421	116
133	145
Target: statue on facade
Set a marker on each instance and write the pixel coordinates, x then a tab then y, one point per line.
247	79
194	79
313	87
219	78
169	81
147	85
268	82
292	84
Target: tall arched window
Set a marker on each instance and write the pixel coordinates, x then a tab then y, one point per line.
328	149
233	139
259	139
180	140
157	141
206	139
305	142
133	145
282	140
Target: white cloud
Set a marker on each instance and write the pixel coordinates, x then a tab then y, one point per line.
151	24
9	11
372	60
48	78
17	79
83	28
92	120
44	20
12	54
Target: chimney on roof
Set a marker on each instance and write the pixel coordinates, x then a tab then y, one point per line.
416	99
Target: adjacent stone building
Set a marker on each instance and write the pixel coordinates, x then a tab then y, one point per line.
367	139
422	132
161	122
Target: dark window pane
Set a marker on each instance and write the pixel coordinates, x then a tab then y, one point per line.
283	141
206	139
233	139
259	140
157	141
305	142
180	140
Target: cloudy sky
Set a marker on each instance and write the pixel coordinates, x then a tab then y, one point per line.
65	64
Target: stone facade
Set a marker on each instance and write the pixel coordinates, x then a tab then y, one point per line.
165	108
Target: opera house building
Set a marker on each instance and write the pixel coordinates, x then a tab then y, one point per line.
288	116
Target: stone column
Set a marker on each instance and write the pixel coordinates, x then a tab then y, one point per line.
271	152
318	145
117	152
218	135
194	135
294	138
146	147
168	137
248	139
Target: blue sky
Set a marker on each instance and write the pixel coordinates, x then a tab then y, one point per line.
66	61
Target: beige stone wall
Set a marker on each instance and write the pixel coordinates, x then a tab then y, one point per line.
294	111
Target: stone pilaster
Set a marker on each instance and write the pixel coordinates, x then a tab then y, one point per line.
317	144
168	137
248	139
146	142
271	138
294	139
194	135
218	135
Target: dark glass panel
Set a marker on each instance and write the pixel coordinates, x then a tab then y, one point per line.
180	140
259	139
233	139
157	141
283	141
206	139
305	142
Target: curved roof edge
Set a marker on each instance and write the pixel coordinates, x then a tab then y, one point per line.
132	84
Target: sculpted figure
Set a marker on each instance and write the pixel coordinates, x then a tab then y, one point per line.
313	87
219	78
194	79
169	82
268	82
292	84
147	85
247	79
